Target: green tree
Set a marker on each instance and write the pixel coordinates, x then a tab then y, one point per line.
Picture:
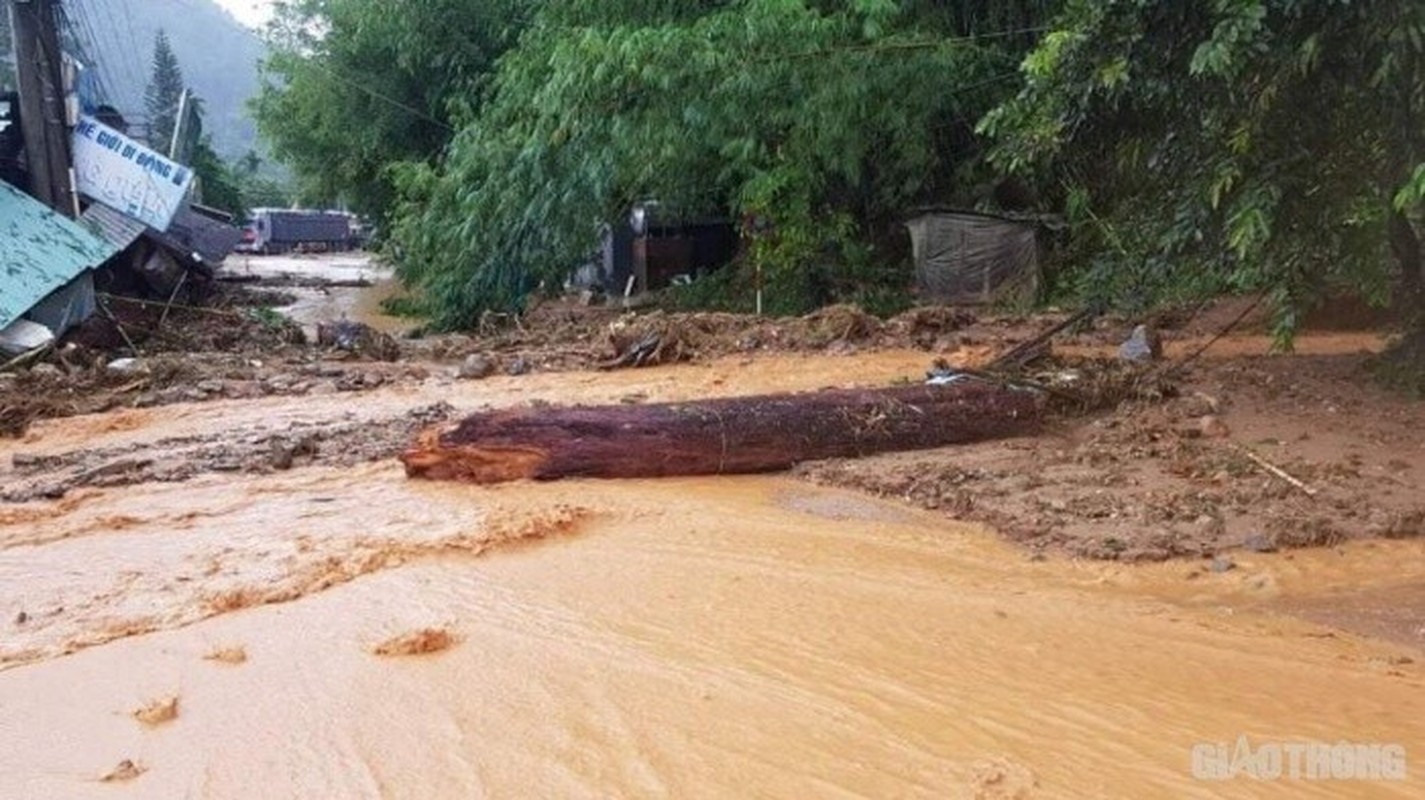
1234	145
161	97
351	88
826	120
220	187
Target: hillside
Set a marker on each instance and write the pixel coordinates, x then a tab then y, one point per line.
218	55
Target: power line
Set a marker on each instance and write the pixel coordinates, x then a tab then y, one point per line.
87	43
123	65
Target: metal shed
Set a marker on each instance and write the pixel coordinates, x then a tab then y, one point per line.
971	257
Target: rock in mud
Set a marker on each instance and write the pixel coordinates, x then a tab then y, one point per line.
285	453
124	366
127	770
358	338
1259	543
46	371
1142	347
1211	426
476	366
519	366
1223	564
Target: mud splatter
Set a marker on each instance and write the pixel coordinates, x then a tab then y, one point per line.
158	711
126	771
421	642
233	655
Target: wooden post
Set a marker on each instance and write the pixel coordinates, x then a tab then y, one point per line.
39	73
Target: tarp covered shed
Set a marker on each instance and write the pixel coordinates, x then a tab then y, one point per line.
970	257
45	260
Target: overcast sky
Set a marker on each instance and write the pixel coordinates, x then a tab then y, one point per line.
249	12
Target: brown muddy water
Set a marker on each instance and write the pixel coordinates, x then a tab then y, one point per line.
316	303
703	637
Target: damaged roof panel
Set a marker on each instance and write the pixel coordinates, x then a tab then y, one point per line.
40	251
117	228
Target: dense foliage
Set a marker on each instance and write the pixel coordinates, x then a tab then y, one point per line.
353	87
822	121
1233	145
1195	147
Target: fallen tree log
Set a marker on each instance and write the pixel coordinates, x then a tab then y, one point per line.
710	437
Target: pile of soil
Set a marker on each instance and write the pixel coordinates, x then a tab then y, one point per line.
557	337
1188	477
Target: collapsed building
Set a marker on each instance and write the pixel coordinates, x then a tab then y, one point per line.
138	233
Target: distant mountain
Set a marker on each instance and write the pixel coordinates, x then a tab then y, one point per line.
218	55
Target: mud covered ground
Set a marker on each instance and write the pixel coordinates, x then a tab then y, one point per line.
215	580
1242	449
1192	476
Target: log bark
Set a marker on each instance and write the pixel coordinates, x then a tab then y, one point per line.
711	437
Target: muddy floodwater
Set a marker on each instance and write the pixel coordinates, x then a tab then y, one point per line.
325	287
231	636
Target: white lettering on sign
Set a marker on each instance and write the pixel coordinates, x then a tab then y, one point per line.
127	176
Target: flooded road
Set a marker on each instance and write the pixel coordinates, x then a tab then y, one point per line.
361	283
708	637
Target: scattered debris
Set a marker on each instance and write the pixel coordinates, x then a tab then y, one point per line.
126	771
228	655
421	642
358	338
1142	346
641	353
476	366
1275	470
1211	426
159	711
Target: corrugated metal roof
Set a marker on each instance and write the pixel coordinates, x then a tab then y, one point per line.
117	228
193	233
40	251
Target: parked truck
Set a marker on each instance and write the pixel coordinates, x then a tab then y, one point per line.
276	230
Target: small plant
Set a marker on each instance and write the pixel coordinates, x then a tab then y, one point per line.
266	317
404	305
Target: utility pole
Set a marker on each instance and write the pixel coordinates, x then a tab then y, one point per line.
178	120
44	124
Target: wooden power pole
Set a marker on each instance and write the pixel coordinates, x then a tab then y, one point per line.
39	71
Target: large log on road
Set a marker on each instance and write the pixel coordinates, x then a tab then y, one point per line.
709	437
